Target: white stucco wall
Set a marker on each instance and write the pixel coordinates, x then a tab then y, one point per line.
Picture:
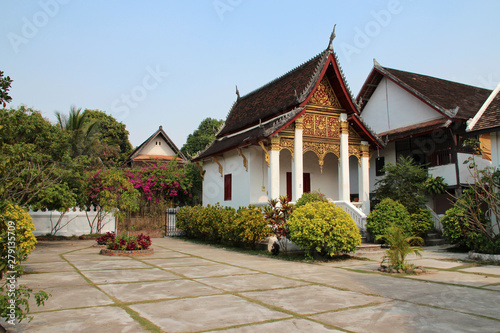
465	172
391	107
75	222
448	172
213	185
158	146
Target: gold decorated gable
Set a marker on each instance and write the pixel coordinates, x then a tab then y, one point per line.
324	95
321	126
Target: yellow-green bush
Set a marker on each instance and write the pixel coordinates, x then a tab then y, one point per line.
324	228
386	212
250	226
16	228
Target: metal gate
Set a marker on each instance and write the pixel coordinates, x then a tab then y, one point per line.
170	223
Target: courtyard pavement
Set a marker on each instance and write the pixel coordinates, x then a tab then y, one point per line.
187	287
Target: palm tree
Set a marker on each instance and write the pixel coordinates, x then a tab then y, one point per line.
79	128
400	246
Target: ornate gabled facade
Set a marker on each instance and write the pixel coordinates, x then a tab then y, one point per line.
298	133
158	148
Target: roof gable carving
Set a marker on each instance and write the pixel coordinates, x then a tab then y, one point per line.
324	95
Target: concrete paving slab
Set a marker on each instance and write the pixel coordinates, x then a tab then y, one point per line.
487	270
493	287
165	254
250	282
312	299
92	257
146	291
173	262
336	278
293	325
205	313
99	319
46	267
434	263
71	297
54	279
129	275
475	280
406	317
453	297
43	258
103	263
210	271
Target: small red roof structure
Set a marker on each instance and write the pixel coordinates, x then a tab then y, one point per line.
157	148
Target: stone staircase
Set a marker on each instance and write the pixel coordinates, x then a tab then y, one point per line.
434	238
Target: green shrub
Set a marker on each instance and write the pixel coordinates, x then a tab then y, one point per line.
421	222
324	228
187	221
386	212
454	226
250	226
310	197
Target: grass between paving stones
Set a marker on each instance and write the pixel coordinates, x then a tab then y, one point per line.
146	324
291	256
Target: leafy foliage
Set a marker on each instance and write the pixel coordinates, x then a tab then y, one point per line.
310	197
16	243
386	212
435	185
405	182
201	137
129	243
103	240
250	226
399	242
215	223
276	213
421	222
324	228
5	83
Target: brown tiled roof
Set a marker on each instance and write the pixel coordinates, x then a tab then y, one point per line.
414	130
274	98
491	116
443	95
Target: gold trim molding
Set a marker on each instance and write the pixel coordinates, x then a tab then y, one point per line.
245	162
220	166
266	153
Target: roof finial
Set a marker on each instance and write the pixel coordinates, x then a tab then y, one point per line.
332	37
237	92
375	63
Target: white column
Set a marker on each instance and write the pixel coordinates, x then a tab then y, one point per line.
274	169
298	162
344	193
364	177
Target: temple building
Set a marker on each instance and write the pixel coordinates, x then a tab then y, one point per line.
158	148
299	133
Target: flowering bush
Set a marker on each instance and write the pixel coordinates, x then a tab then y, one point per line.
129	243
161	183
109	236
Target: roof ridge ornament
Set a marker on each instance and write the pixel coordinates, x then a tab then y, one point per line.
375	63
332	37
237	92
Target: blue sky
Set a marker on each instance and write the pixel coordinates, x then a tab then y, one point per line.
174	63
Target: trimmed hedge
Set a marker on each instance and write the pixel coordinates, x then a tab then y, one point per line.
219	224
324	228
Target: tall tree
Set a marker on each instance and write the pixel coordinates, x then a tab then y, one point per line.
5	83
111	138
79	129
202	136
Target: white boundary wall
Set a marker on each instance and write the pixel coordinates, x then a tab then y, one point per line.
78	223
